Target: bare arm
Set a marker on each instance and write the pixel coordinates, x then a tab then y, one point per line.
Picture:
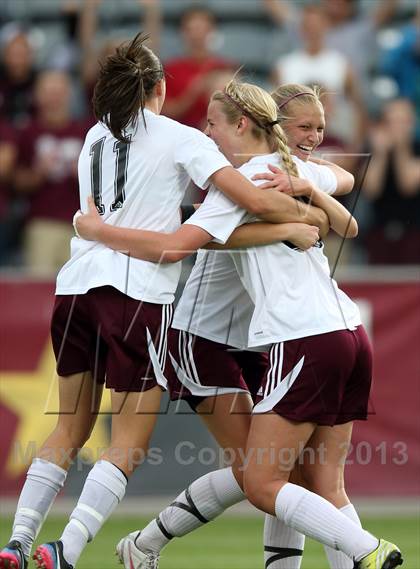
345	180
361	118
277	179
341	220
147	245
88	23
305	213
384	11
270	205
160	247
375	175
279	11
261	233
177	106
338	217
407	168
7	160
152	22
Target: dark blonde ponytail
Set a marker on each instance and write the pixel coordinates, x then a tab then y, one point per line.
126	80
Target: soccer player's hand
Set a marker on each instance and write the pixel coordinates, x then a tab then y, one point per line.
87	225
283	182
304	236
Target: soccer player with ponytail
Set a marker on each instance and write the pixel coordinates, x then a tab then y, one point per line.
112	312
243	121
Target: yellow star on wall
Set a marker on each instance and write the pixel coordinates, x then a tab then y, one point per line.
33	397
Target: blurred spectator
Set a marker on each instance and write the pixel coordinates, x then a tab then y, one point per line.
8	225
353	32
66	55
48	152
392	184
402	63
91	54
335	147
17	76
349	30
190	78
316	64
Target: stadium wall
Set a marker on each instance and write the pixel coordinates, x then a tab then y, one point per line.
384	460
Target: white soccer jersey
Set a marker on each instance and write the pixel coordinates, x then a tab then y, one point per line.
214	303
139	185
293	293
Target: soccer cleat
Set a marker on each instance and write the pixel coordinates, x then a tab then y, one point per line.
132	557
11	556
50	556
385	556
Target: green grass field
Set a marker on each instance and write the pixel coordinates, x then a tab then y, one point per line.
228	543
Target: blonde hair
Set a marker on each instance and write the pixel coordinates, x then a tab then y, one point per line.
244	99
291	95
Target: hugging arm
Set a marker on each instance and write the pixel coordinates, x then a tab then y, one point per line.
256	234
341	220
263	204
139	243
345	180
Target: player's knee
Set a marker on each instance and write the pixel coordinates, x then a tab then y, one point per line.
239	475
72	434
127	457
254	490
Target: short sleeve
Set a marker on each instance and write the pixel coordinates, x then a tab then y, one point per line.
199	156
324	178
218	215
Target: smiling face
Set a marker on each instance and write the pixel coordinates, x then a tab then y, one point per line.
305	128
223	132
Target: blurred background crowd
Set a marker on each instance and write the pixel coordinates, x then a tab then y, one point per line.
364	54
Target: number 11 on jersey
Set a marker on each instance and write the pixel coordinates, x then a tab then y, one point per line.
121	149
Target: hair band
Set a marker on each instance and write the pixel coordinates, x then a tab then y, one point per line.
293	96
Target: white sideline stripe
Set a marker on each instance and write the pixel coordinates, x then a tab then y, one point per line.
90	511
160	378
201	390
280	391
31	514
152	504
82	528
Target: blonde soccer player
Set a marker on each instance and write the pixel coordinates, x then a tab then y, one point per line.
301	312
112	313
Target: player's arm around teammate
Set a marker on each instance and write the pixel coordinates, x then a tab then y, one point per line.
226	415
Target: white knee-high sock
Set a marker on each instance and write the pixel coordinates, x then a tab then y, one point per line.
103	491
43	482
205	499
283	545
337	559
315	517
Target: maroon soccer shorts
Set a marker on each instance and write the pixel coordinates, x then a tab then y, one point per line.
121	340
202	368
323	379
